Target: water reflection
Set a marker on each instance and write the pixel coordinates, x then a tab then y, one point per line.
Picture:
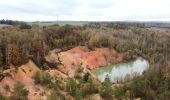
123	71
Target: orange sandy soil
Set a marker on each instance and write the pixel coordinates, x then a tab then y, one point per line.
70	59
82	56
25	75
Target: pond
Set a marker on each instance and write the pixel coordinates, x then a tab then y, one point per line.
123	71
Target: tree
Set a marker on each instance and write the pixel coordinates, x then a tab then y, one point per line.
119	92
1	58
20	93
39	51
15	55
106	90
71	86
89	85
25	26
65	30
12	55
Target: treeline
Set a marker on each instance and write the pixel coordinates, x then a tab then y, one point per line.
9	22
35	42
116	25
23	25
17	46
63	37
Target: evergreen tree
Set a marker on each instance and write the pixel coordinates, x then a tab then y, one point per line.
106	90
71	86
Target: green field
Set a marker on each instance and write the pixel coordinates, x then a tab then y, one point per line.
4	25
61	23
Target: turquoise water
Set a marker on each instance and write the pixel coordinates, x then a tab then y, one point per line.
123	71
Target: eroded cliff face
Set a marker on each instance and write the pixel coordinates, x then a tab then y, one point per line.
25	74
69	60
84	57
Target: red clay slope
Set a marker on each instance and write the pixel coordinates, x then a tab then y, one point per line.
88	59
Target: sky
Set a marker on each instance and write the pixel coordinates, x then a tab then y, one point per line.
85	10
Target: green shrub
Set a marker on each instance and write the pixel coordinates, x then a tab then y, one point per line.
106	89
2	97
62	97
151	86
25	26
78	94
119	92
105	41
52	96
85	78
71	86
138	87
46	79
43	78
37	77
73	89
90	86
65	30
20	93
78	72
57	85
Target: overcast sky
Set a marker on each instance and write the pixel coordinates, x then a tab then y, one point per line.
85	10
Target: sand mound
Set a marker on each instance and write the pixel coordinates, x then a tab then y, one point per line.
28	69
81	55
85	57
24	75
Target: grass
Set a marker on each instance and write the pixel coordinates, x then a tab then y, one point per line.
61	23
4	25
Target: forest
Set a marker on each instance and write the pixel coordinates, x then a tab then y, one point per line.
22	42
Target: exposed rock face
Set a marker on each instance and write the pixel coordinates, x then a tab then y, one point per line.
69	60
84	57
25	74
